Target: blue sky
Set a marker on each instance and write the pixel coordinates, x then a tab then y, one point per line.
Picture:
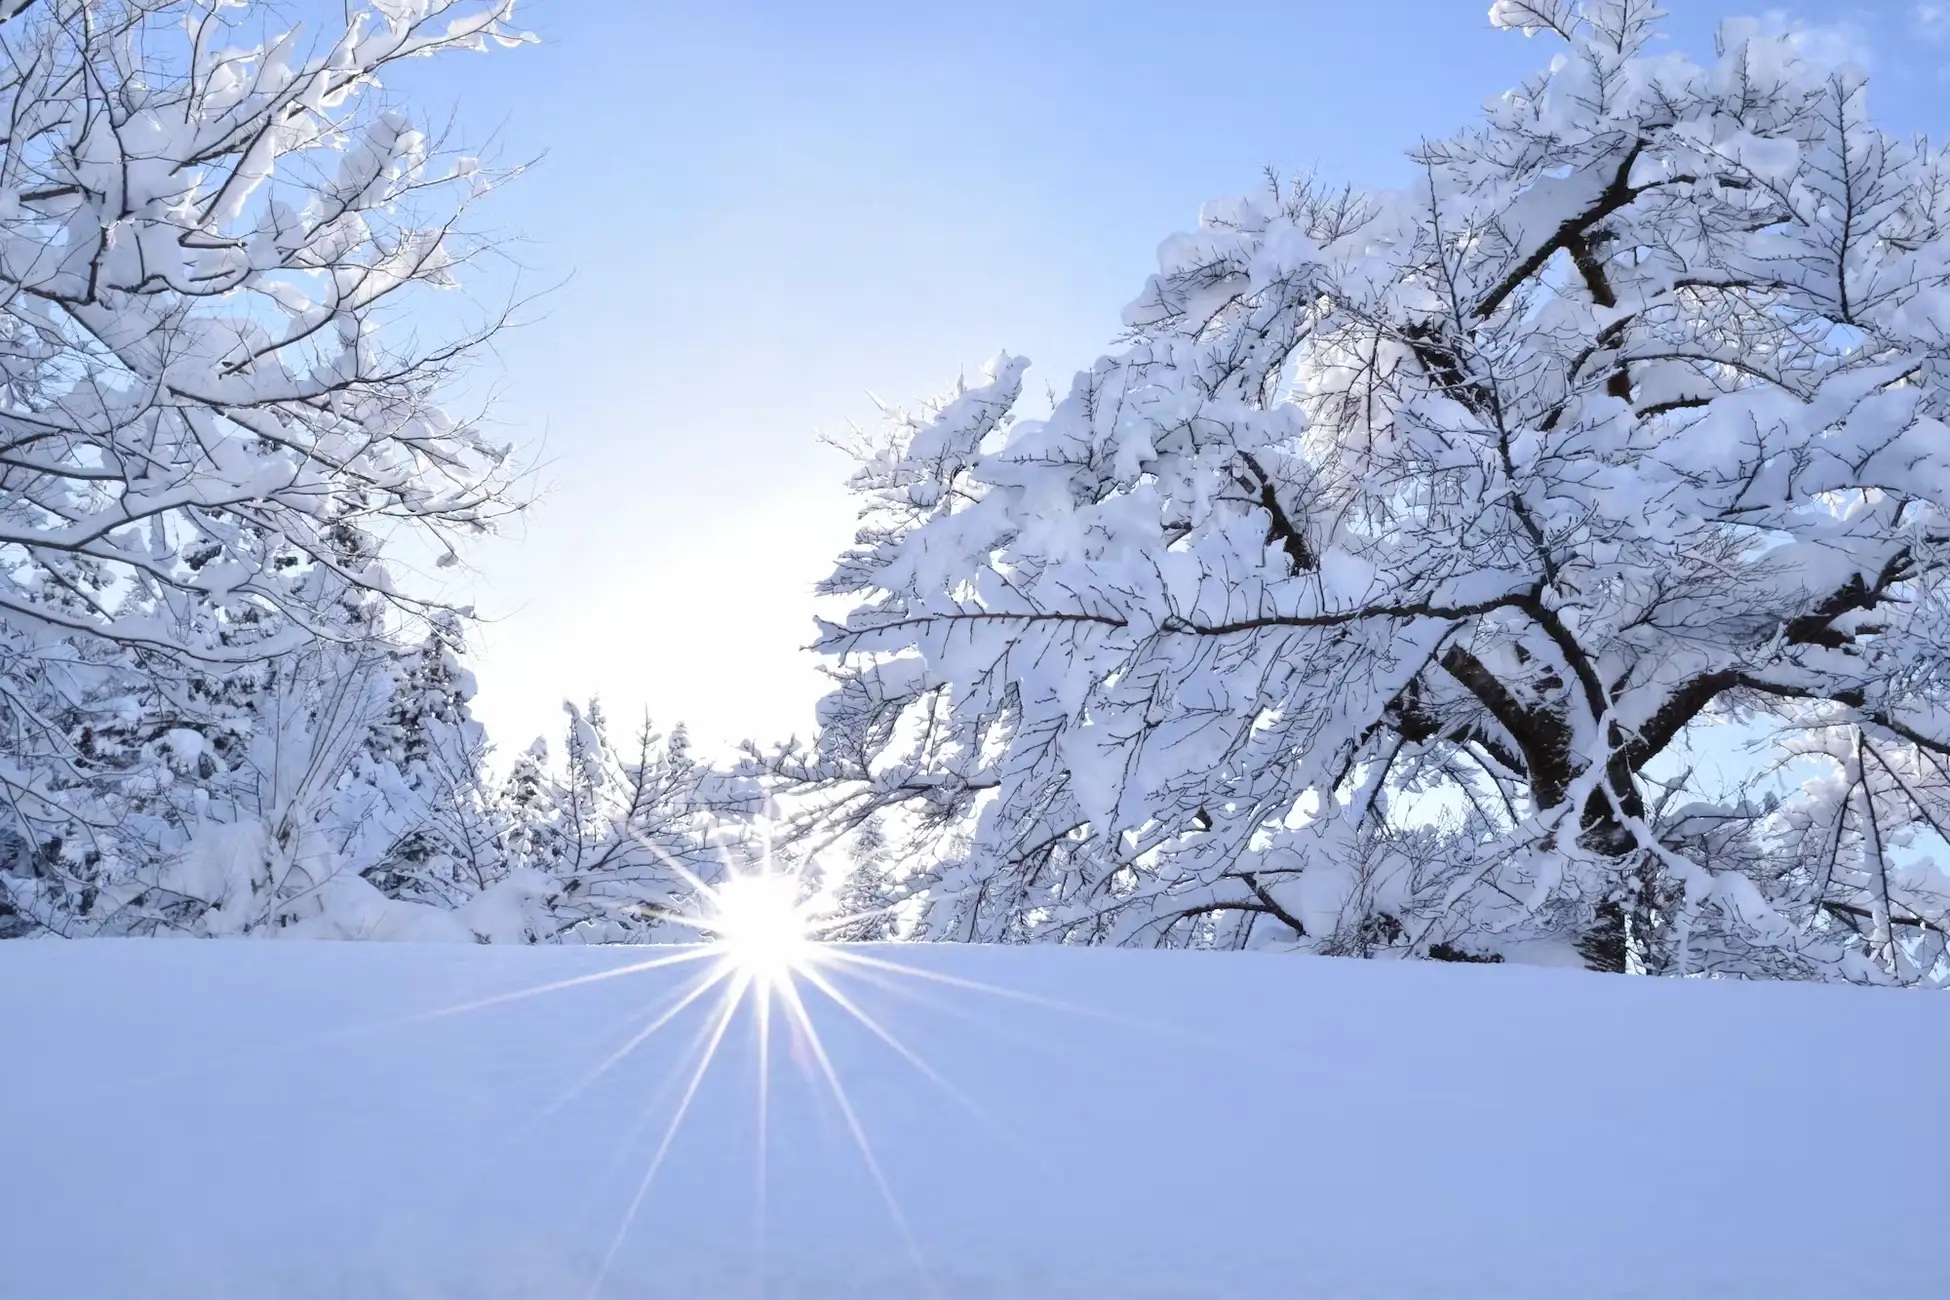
759	215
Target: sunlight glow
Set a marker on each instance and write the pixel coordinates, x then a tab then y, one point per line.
765	933
764	930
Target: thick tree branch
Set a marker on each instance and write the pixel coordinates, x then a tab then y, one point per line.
1815	628
1537	731
1280	526
1613	197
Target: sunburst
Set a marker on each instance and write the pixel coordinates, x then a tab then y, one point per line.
762	947
765	928
763	939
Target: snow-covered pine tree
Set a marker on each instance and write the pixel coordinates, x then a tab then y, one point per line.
1371	597
528	800
444	837
205	221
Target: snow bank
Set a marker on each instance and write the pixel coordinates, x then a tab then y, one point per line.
293	1120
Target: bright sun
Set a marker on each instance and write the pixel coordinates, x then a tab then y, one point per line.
763	928
766	933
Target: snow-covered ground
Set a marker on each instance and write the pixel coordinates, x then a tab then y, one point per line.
320	1120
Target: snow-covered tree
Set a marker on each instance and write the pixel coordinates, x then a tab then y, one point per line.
208	419
1371	596
308	790
445	836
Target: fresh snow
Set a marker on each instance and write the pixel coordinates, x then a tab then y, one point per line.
234	1119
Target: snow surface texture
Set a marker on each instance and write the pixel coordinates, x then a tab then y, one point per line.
234	1119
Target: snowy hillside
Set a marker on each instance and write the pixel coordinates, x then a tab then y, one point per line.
299	1120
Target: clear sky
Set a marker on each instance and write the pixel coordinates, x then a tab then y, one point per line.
762	215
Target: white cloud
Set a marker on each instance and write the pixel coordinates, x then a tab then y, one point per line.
1932	21
1833	44
1828	44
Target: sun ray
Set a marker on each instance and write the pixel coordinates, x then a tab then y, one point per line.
839	953
689	953
672	1079
842	956
533	1123
913	1058
993	1021
796	1008
352	1033
859	964
689	877
698	989
733	997
762	1017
